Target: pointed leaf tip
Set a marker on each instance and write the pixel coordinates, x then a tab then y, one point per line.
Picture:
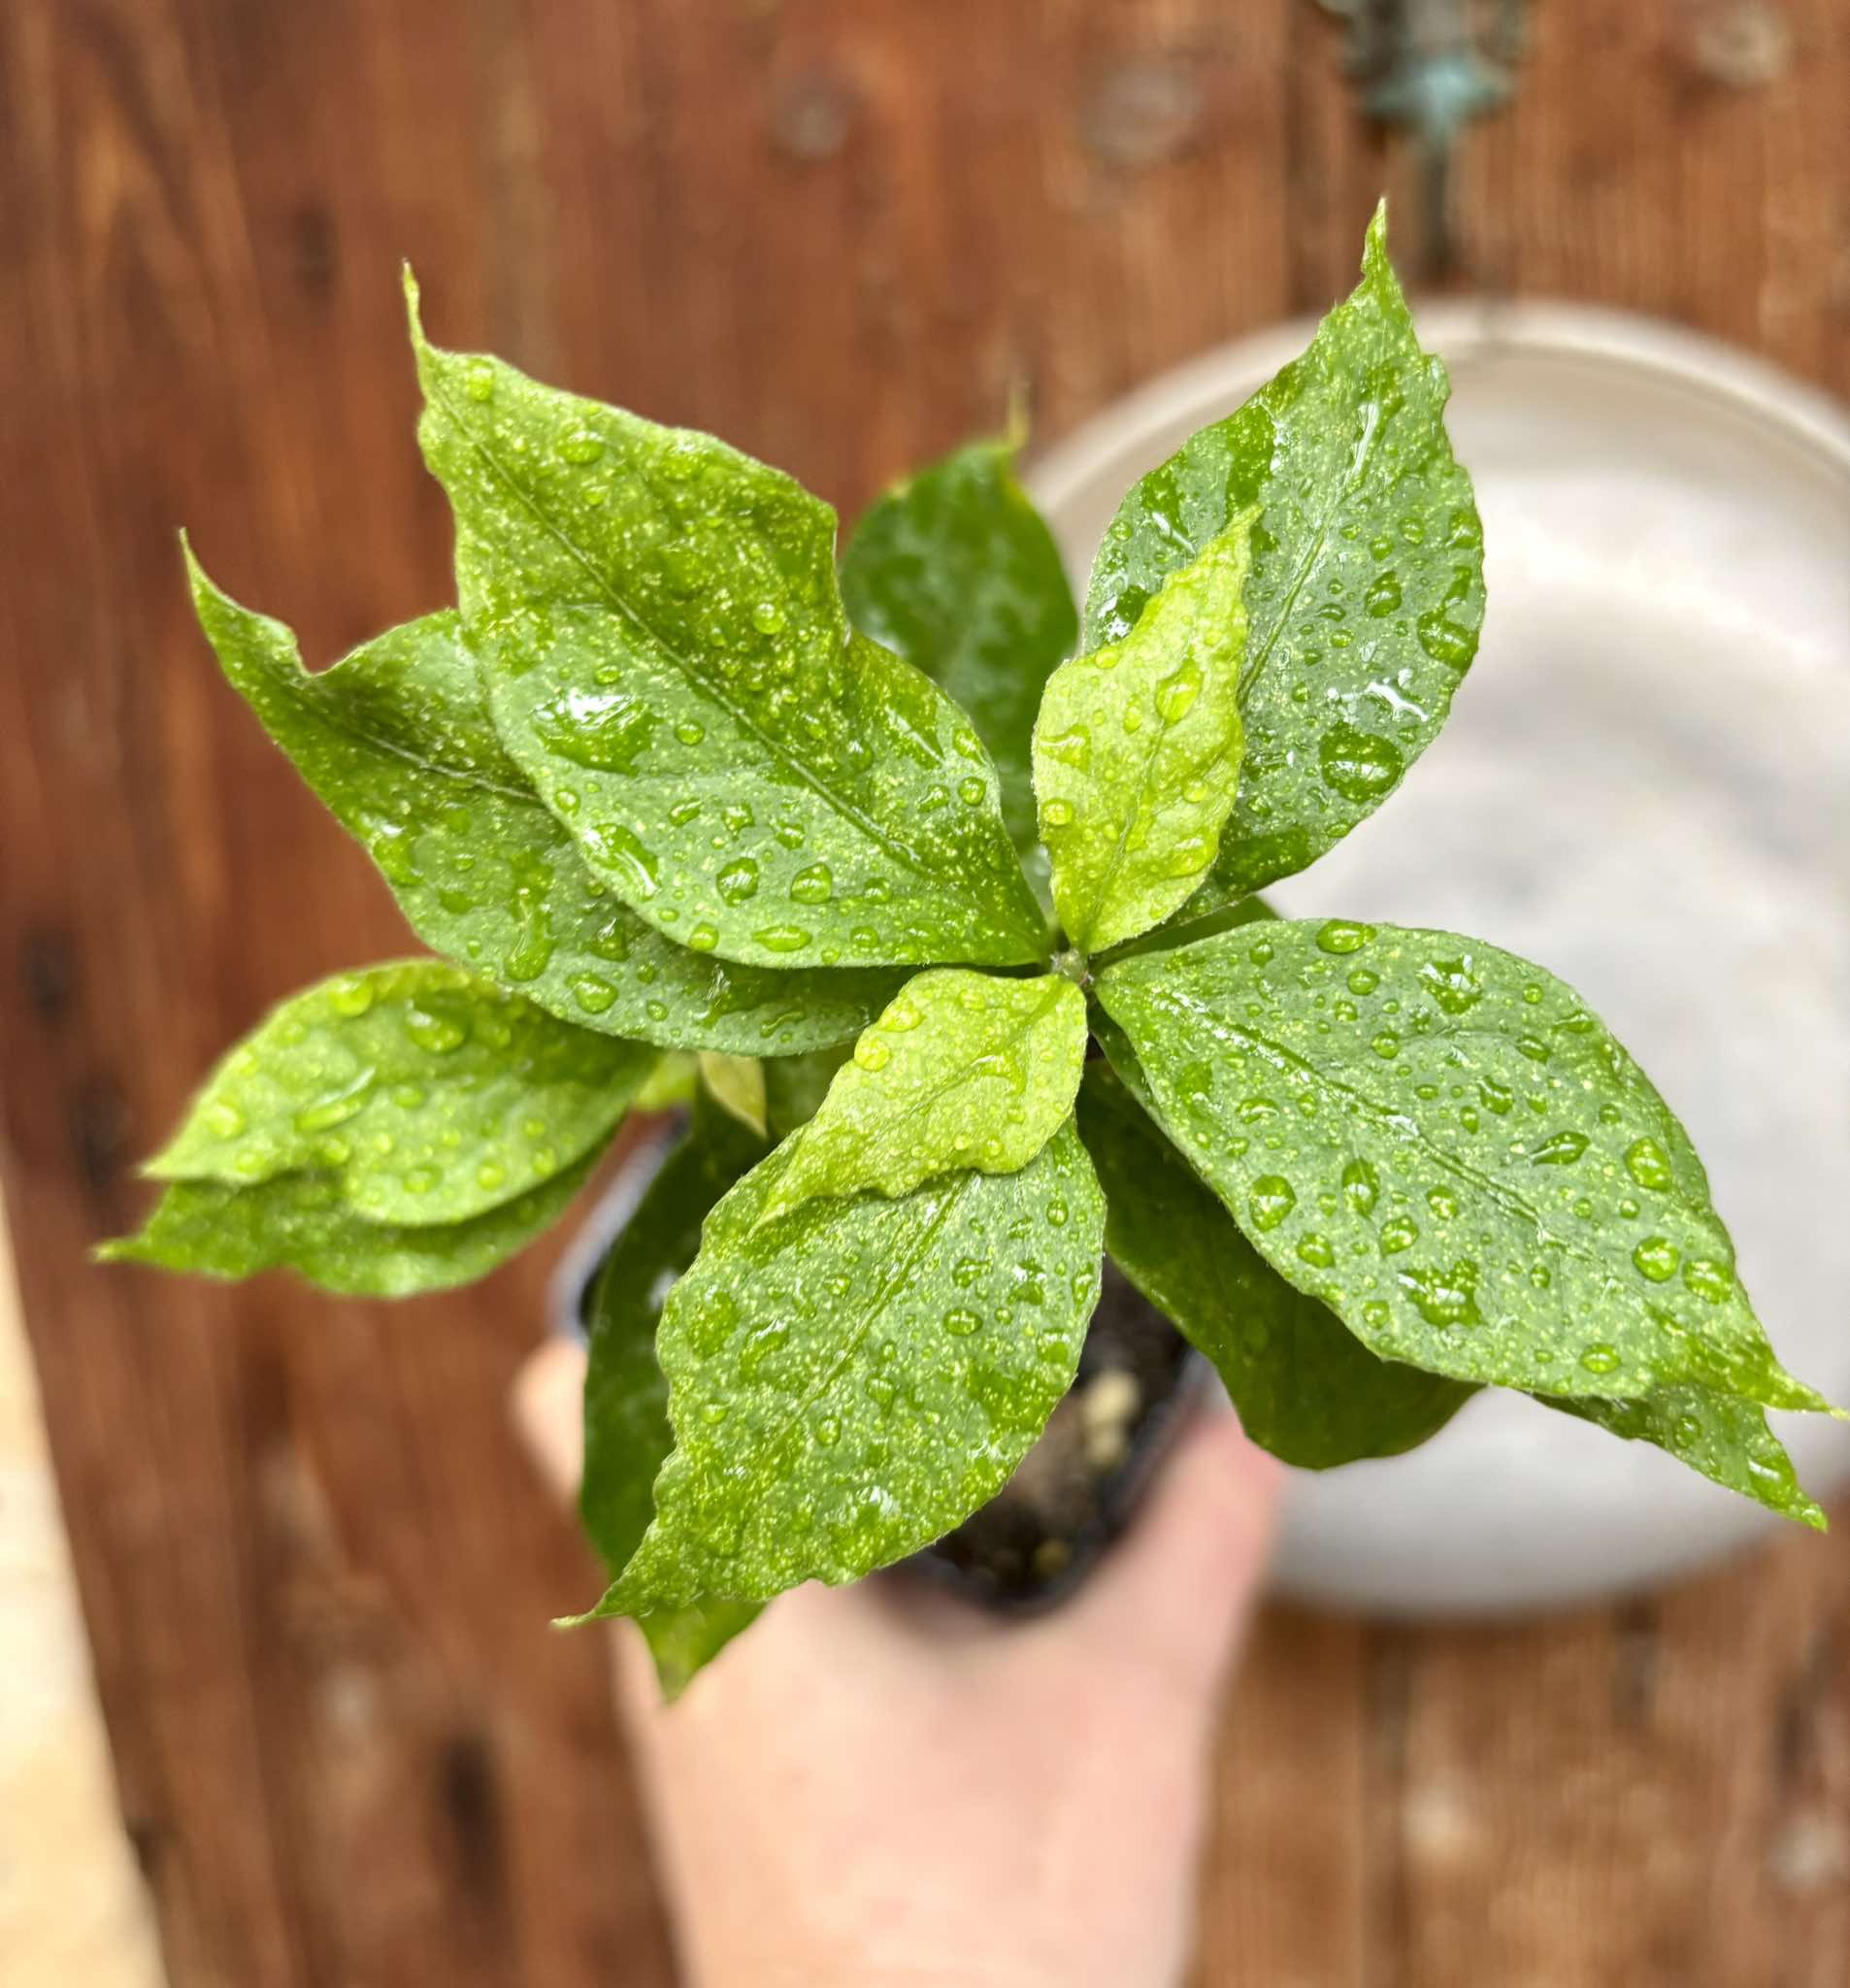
198	580
407	277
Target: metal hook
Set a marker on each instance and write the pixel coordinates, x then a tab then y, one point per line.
1424	65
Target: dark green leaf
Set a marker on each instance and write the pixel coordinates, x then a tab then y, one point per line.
1136	751
796	1085
396	741
852	1381
1441	1143
626	1428
304	1222
956	571
1306	1387
667	656
1724	1438
429	1095
1366	591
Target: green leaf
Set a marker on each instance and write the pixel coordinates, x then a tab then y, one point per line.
626	1428
673	1083
736	1083
305	1222
427	1094
1724	1438
1136	751
956	571
850	1383
962	1070
667	656
1306	1387
397	742
796	1085
1439	1140
1366	590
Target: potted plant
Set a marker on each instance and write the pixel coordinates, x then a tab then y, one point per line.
946	898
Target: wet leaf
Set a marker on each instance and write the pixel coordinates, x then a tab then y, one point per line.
1724	1438
962	1070
736	1083
1440	1142
1306	1387
304	1222
667	656
850	1383
626	1428
1137	752
427	1094
956	571
1366	591
397	742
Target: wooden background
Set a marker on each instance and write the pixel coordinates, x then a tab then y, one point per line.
316	1572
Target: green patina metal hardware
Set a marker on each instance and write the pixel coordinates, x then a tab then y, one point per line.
1431	66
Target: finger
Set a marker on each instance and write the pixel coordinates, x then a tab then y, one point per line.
547	1412
1179	1588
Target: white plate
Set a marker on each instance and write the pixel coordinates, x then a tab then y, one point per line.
1644	786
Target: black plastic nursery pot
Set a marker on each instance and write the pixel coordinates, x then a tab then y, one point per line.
1035	1542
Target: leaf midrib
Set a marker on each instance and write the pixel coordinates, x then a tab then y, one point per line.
767	1450
1162	734
305	688
1399	1125
913	860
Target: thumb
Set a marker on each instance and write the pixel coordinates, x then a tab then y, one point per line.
549	1414
1178	1592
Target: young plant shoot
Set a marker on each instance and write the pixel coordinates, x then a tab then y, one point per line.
941	896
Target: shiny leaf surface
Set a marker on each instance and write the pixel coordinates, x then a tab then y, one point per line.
954	570
962	1070
304	1222
626	1427
852	1381
1724	1438
397	743
1306	1387
1440	1142
1366	590
667	656
427	1094
1137	752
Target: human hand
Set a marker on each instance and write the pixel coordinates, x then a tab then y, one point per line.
881	1785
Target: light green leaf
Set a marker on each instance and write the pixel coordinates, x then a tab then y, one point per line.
667	656
305	1222
428	1094
626	1429
1724	1438
1439	1142
396	741
956	571
1366	591
1306	1387
737	1082
962	1070
674	1082
1137	752
849	1385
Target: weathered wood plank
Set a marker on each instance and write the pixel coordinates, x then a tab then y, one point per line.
314	1572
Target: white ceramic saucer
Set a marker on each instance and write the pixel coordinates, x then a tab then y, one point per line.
1644	786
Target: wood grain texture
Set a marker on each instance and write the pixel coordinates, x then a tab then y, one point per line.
315	1573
